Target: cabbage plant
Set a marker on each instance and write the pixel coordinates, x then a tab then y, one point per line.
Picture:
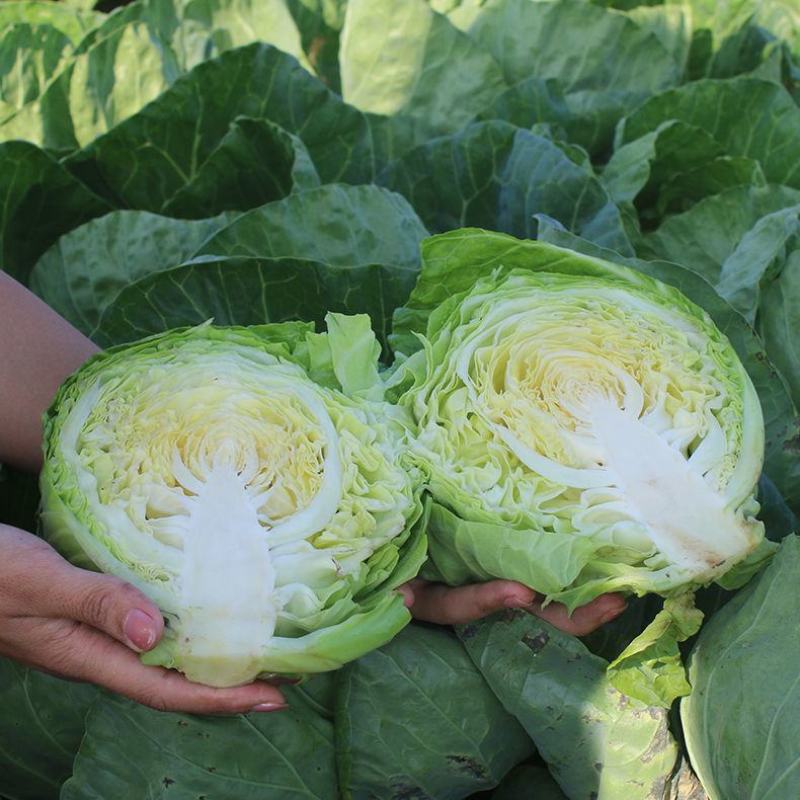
263	511
583	429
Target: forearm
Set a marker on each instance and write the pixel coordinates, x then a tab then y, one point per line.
38	350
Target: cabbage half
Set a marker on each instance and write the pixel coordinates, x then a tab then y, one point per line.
264	513
583	429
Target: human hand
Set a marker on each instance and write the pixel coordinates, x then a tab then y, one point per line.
448	605
87	626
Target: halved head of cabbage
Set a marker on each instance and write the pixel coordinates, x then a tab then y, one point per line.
264	513
584	434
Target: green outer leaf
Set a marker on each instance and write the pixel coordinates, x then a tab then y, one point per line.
30	56
596	742
779	323
604	63
747	242
494	175
255	162
104	90
728	17
747	116
334	224
198	30
250	291
529	556
187	122
72	22
87	268
39	201
637	164
571	41
319	693
759	254
650	667
538	100
743	670
405	58
209	27
45	121
706	235
684	189
133	751
40	730
403	727
671	24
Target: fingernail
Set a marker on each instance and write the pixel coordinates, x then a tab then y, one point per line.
514	602
261	707
613	614
140	630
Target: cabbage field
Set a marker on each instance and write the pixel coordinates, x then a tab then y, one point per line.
464	289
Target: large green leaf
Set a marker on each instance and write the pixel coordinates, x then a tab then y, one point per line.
210	27
74	23
46	120
605	63
760	254
596	742
741	720
497	176
40	730
779	318
748	117
242	291
703	237
364	241
82	273
544	38
404	57
30	56
39	201
747	243
145	160
467	741
335	224
542	100
105	88
254	163
132	751
673	167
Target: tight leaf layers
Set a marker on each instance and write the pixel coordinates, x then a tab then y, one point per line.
263	512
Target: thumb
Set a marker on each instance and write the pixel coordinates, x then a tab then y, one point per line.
113	606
